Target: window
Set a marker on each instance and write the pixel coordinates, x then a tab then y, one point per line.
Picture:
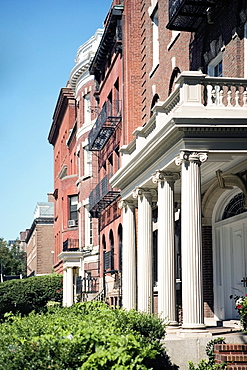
79	163
116	97
155	24
87	111
215	67
73	201
215	70
234	207
88	228
87	162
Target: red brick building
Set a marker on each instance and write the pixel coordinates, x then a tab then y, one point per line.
76	238
166	136
63	138
105	139
188	157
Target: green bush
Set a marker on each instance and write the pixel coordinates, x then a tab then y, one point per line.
29	294
85	336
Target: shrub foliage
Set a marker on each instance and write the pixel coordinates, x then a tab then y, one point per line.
30	294
87	336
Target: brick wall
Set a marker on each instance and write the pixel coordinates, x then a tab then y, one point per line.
233	354
39	249
171	55
45	240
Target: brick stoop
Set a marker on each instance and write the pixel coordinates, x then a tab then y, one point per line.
233	354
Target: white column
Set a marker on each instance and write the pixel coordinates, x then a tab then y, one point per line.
145	250
70	286
191	248
129	283
166	246
65	287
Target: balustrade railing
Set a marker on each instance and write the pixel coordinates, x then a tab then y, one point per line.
210	91
227	92
194	89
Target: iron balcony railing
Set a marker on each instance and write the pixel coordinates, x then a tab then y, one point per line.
105	125
187	15
71	245
101	196
87	285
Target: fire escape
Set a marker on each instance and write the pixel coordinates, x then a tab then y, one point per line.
105	125
101	197
110	115
187	15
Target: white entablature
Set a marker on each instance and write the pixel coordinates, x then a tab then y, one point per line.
202	114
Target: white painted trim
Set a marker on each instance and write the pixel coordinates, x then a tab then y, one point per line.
213	63
175	35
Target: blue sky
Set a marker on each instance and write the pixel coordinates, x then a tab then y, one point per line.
38	44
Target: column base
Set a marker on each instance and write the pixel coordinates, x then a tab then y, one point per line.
172	327
197	331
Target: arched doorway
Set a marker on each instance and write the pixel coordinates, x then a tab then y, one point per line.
229	252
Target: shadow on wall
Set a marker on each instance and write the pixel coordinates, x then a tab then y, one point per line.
161	362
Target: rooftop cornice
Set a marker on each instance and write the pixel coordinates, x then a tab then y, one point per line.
66	94
80	69
108	39
49	220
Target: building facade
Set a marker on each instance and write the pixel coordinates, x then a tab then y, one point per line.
156	147
76	250
39	240
105	139
189	158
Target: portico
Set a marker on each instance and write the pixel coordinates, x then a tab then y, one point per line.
72	267
174	158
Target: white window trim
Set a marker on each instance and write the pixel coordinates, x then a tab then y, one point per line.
87	162
155	21
88	227
214	63
86	112
175	35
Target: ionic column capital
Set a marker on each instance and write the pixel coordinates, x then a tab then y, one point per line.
165	176
138	192
126	203
190	156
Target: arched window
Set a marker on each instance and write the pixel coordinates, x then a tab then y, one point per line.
234	207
